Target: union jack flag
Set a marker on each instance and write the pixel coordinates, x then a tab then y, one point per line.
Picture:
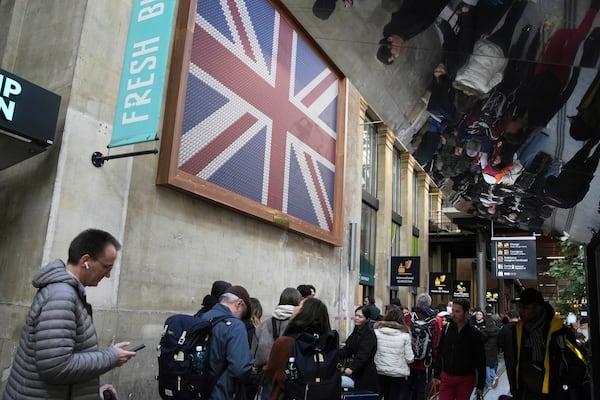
260	111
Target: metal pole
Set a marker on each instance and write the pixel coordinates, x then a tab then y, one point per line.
481	274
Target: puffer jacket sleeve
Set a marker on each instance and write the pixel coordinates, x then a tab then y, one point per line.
408	351
65	337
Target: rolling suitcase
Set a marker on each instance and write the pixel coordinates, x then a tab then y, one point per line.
359	395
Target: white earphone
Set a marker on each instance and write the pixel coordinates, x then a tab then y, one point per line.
86	265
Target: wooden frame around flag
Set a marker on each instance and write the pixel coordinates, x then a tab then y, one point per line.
303	175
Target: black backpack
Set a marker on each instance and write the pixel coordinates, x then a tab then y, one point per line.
317	359
421	337
176	376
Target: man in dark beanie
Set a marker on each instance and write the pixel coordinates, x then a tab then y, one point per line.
218	288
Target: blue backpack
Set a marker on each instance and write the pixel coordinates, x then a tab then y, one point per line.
178	376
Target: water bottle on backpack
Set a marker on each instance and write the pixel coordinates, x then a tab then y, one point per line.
292	370
199	360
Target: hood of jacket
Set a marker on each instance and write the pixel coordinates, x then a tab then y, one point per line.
388	327
283	312
56	272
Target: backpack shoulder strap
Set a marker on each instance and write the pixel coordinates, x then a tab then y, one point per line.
221	318
413	316
275	328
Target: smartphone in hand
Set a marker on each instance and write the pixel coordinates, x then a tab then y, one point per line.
137	348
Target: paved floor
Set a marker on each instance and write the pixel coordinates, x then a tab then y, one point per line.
502	388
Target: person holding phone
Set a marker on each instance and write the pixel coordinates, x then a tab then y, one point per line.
58	355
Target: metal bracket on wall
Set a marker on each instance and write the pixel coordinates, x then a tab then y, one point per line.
98	159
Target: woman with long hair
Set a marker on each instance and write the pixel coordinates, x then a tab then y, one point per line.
310	317
394	353
272	328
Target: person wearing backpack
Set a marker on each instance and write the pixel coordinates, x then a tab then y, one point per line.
394	353
423	356
229	355
271	328
360	350
314	346
542	357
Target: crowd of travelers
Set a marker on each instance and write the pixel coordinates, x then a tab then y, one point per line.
251	357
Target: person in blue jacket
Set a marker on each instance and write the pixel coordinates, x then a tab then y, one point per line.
229	356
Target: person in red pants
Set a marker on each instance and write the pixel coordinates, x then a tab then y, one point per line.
460	362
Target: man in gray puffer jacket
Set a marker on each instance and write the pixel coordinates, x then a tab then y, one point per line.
58	356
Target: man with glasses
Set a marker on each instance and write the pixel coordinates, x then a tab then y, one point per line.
229	356
58	355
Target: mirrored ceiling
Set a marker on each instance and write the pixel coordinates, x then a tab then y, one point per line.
498	100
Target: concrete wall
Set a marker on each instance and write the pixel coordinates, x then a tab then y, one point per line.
174	245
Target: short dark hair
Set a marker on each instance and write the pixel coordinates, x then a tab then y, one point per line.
366	311
464	303
305	289
290	297
384	52
371	299
92	242
313	317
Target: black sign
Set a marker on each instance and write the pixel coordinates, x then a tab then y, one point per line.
514	258
440	283
491	296
405	271
461	289
27	110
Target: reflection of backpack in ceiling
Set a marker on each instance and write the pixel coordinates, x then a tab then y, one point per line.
493	115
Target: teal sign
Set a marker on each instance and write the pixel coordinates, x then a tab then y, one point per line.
144	71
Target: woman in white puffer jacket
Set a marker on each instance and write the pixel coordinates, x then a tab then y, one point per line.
394	353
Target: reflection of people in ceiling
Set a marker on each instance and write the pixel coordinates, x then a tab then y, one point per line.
586	124
413	17
572	184
486	65
551	85
323	9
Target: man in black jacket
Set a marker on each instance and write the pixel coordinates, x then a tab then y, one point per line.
460	363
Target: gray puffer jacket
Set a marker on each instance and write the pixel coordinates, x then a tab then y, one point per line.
58	356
